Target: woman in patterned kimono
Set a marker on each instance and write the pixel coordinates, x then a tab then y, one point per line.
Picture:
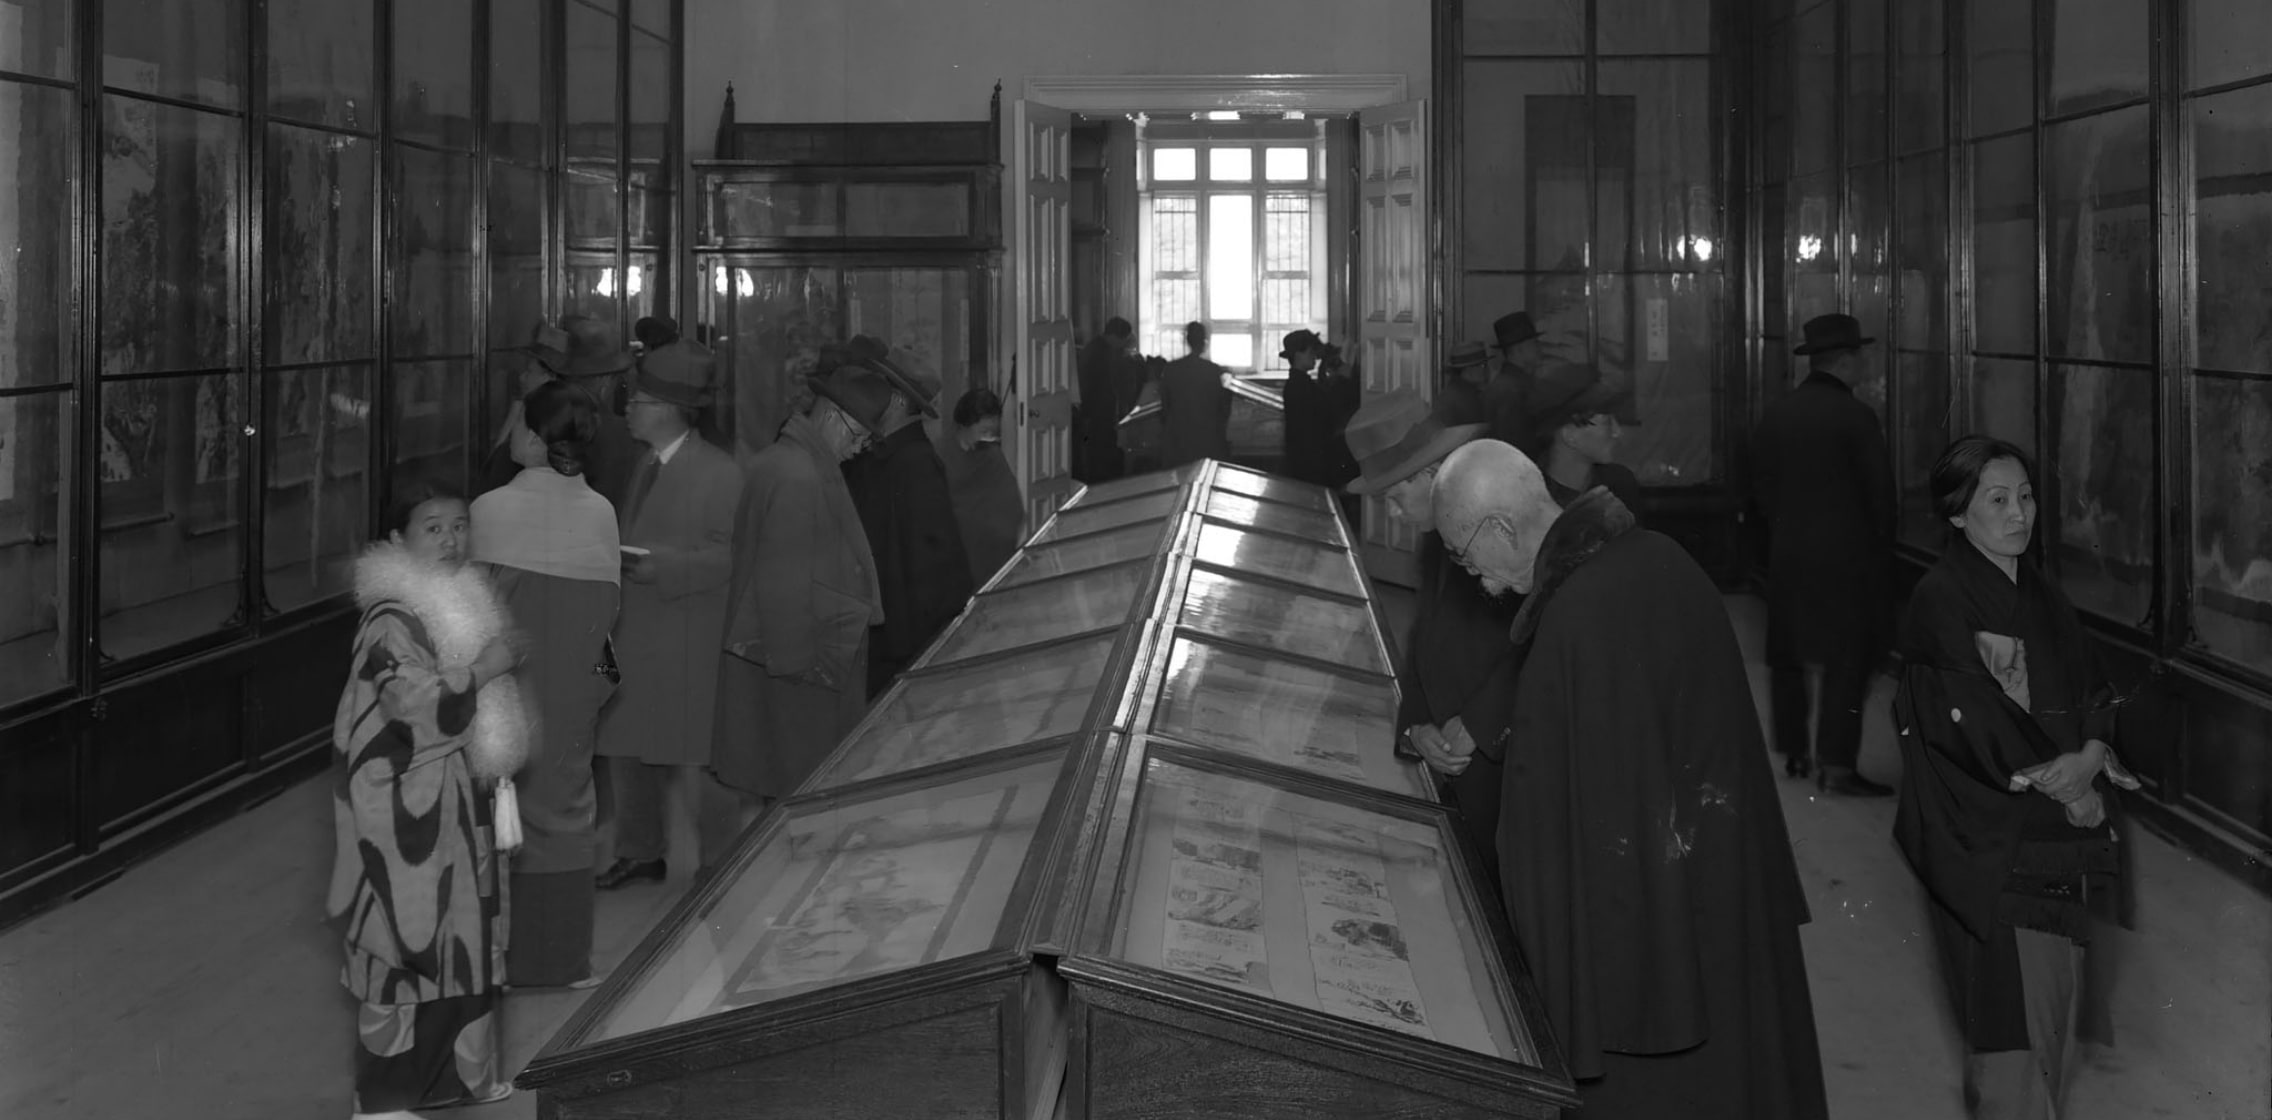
548	541
430	718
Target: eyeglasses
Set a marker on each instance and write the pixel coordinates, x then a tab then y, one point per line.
1459	555
860	435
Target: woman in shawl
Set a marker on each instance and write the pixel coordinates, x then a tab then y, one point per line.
2004	722
548	542
429	720
988	505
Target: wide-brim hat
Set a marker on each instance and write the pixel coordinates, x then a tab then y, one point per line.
1466	355
1394	436
592	348
862	393
1304	339
684	373
1825	333
901	369
1562	393
1513	328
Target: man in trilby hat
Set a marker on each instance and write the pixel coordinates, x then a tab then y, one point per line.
580	350
1573	433
677	528
1821	476
1506	395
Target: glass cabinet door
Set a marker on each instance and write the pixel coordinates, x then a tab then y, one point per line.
1238	509
1092	519
1271	617
1040	612
1306	718
1255	484
1237	550
1082	553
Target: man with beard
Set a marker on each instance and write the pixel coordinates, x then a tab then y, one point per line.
1643	857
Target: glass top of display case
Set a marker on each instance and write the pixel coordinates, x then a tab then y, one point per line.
1241	550
1255	484
1113	546
1239	509
1098	493
1071	522
1038	612
1280	618
1312	719
836	890
1309	900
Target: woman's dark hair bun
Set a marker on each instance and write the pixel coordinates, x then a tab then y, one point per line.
566	419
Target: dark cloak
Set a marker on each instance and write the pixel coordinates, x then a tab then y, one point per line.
1317	409
900	488
1822	477
1643	855
1992	859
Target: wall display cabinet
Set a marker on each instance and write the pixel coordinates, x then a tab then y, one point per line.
1127	840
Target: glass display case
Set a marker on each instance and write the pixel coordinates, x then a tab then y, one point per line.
1137	801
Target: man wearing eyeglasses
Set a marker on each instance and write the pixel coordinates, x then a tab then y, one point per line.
1642	852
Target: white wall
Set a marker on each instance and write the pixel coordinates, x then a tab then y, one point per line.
897	60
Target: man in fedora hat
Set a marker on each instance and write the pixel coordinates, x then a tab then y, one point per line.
1459	396
1506	394
677	528
1573	433
1318	403
1822	478
580	350
803	595
1643	856
1108	377
1458	638
900	488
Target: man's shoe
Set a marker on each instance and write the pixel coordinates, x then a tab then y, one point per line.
625	871
1846	782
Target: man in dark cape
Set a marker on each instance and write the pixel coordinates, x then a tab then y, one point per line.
900	488
1643	856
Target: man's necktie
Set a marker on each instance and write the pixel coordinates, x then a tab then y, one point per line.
649	467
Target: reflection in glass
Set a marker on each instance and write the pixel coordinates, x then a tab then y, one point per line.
1922	432
1658	343
2232	194
1259	485
433	266
172	527
319	246
35	550
2098	53
1811	246
2103	430
592	200
1656	167
2227	42
1082	553
739	210
841	891
1346	911
1043	612
40	43
1524	27
516	253
2232	518
772	323
1112	515
924	309
317	435
1098	493
930	718
433	72
1521	198
36	332
1920	75
169	249
2003	400
1299	716
1282	619
591	79
515	79
1814	74
2000	40
1921	256
1238	509
188	49
2003	244
1327	569
319	62
433	402
1865	80
648	138
906	210
2100	237
1650	27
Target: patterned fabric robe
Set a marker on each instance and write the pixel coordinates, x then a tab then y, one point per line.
414	881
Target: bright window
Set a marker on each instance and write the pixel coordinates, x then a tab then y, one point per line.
1219	247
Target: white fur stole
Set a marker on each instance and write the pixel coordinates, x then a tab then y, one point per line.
462	614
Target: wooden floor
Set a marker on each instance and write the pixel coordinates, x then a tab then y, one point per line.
204	983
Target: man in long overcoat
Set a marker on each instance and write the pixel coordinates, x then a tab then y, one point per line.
1823	479
900	488
1195	405
793	678
1506	396
678	535
1642	852
1108	378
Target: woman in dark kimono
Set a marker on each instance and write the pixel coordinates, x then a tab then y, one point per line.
428	722
988	504
550	545
2004	722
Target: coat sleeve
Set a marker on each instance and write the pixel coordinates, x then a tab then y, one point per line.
681	571
435	703
1964	716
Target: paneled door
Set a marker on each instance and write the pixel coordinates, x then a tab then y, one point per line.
1041	313
1393	278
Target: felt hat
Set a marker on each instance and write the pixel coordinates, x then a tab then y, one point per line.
1825	333
1304	339
684	373
1513	328
861	392
655	331
1394	437
1466	355
1562	393
900	368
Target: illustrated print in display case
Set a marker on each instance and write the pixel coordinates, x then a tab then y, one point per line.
1138	802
